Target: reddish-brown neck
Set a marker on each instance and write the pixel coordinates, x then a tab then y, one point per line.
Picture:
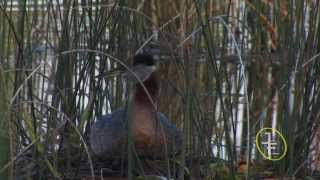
152	86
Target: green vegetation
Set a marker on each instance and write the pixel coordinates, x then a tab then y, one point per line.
229	68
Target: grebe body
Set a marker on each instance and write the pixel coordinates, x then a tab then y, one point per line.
153	134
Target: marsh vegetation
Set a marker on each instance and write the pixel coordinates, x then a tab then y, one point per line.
228	69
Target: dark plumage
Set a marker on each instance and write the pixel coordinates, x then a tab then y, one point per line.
144	59
110	136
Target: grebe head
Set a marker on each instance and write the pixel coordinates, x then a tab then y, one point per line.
143	66
145	70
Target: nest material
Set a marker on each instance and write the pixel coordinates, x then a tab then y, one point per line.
112	168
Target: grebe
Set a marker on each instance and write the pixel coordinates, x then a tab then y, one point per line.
152	132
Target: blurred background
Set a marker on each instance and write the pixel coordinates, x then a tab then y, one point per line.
228	69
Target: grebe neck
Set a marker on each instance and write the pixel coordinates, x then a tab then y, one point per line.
152	85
